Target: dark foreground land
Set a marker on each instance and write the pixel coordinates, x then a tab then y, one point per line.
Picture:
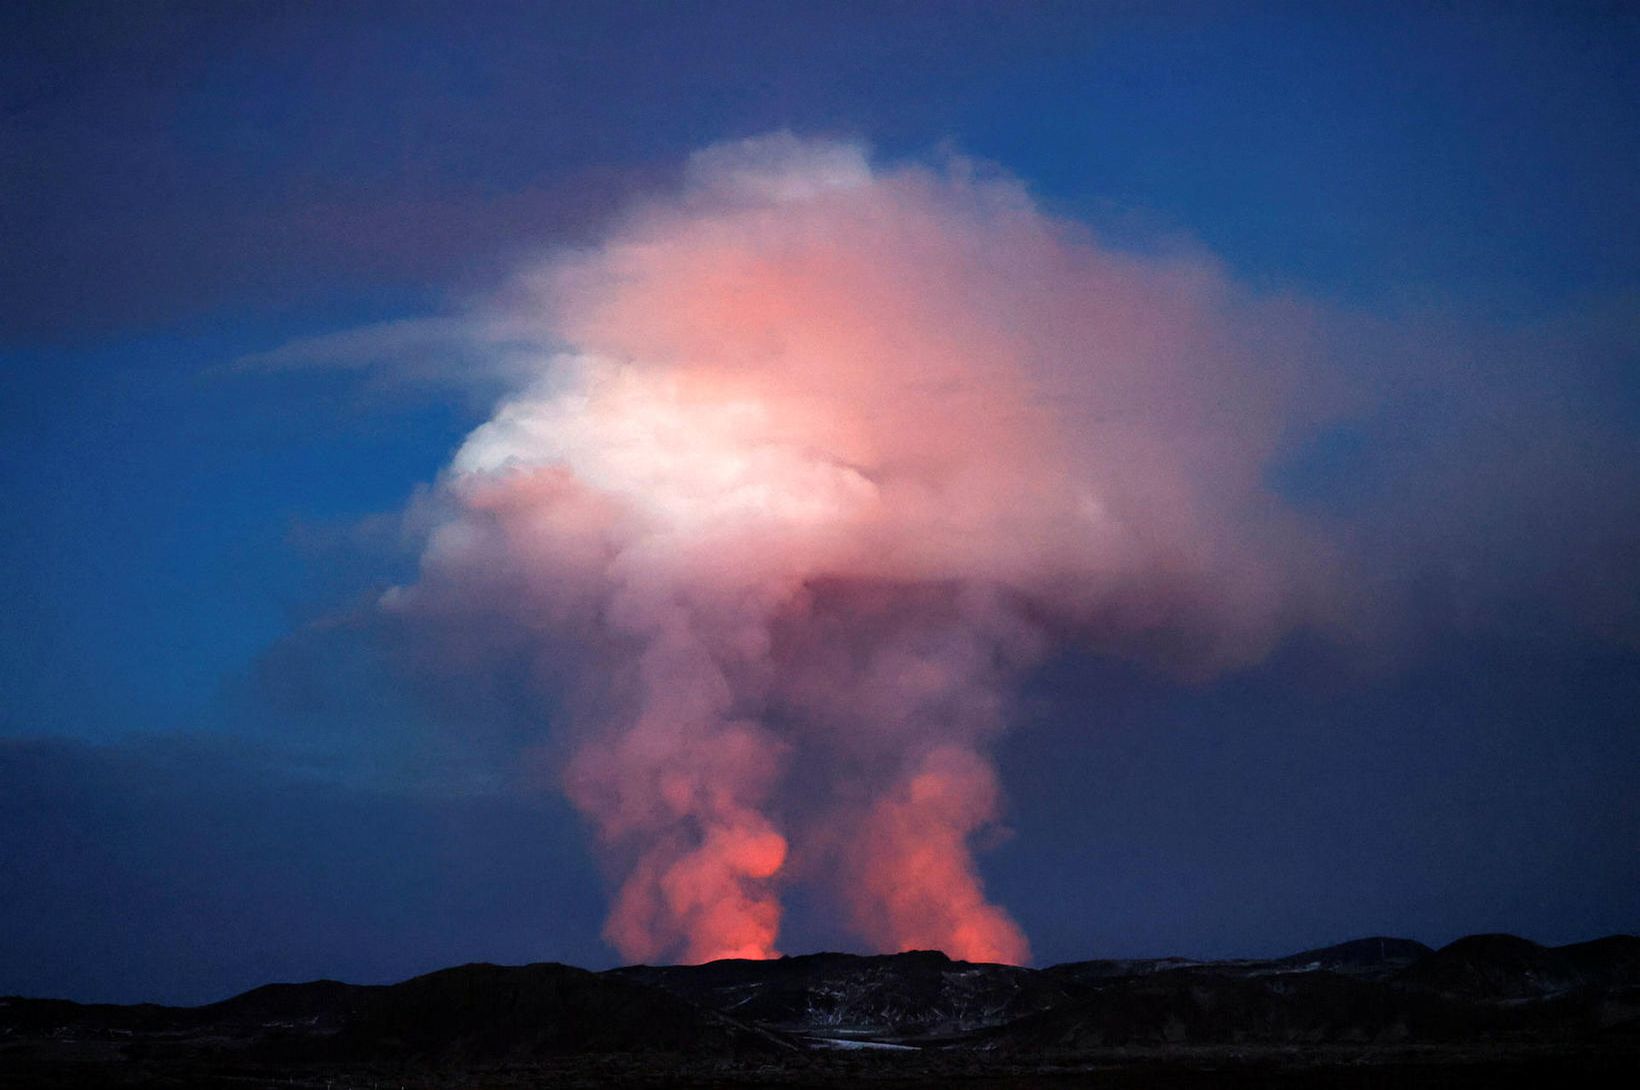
1486	1011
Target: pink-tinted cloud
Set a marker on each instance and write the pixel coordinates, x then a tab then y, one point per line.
811	463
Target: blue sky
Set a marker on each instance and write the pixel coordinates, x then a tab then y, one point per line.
187	184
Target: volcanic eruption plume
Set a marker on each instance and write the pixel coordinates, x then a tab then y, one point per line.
813	462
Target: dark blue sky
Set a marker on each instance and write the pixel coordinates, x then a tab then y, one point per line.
199	792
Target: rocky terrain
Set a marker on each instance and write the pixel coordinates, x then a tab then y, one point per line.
1487	1010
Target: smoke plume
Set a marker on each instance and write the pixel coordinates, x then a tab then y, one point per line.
813	462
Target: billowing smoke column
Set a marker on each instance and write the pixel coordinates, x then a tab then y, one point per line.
816	461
